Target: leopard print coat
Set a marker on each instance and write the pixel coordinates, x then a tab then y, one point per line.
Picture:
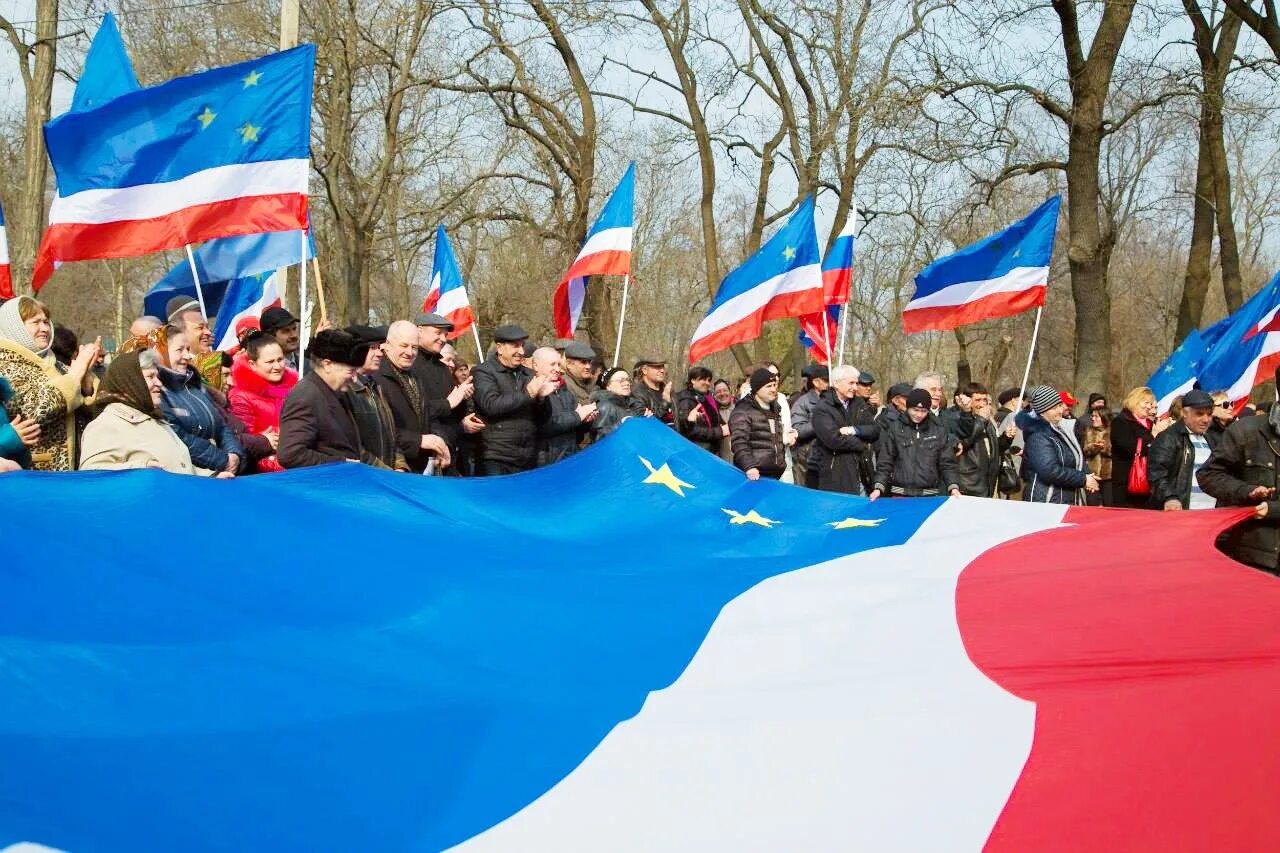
43	393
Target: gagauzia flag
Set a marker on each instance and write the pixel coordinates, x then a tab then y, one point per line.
215	154
1248	351
448	295
245	297
782	279
801	670
607	251
998	276
6	276
107	73
1178	374
219	262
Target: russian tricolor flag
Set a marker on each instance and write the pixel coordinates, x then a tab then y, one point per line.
816	339
837	266
6	279
782	279
448	295
999	276
215	154
607	251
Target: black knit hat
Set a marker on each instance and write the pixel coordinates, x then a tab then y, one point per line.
919	398
338	345
762	377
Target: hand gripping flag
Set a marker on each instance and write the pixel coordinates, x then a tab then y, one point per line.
448	295
1244	357
6	277
837	265
865	658
107	73
220	262
606	252
215	154
999	276
782	279
245	297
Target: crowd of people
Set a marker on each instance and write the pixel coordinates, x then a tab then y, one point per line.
399	397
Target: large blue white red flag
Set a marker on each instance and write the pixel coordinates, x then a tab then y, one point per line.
1245	356
219	262
107	72
448	294
998	276
215	154
1178	374
607	251
6	276
245	297
798	670
782	279
837	264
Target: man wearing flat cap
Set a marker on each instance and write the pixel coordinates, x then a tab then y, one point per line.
1178	453
283	326
511	401
650	387
578	371
317	424
445	401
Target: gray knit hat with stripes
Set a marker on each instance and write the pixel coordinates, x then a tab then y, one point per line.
1043	398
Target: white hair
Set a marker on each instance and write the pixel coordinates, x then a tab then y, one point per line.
545	355
930	375
402	330
843	372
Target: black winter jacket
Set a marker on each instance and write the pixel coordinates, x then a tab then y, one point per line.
511	416
842	461
1171	463
979	461
1126	432
705	431
652	400
1050	470
914	459
612	410
1247	457
560	434
198	420
437	380
411	421
317	426
756	436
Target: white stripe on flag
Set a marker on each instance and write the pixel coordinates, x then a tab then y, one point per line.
608	240
577	295
745	304
452	300
4	246
1166	402
147	201
1243	385
270	293
1014	281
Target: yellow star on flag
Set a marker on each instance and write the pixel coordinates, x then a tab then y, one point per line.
206	118
249	133
251	79
789	253
664	477
849	523
751	517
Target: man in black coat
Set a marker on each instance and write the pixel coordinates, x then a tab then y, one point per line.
1178	453
649	384
564	430
512	402
916	455
316	424
756	432
844	427
981	444
375	421
408	400
445	401
697	417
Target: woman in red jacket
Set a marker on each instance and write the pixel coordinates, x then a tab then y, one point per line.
261	382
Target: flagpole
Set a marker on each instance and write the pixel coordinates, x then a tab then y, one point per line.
843	330
315	268
622	319
475	330
826	337
1035	335
303	306
195	275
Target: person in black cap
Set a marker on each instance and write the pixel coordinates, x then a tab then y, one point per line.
865	388
317	424
846	431
1053	463
375	421
697	417
916	454
1178	453
277	321
511	401
579	371
651	387
756	431
407	397
564	430
816	381
445	399
1010	403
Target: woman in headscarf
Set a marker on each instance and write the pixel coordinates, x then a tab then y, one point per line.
129	431
259	383
44	391
614	402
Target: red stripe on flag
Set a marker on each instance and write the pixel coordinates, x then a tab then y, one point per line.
837	285
796	304
429	304
612	262
73	241
560	314
461	320
991	307
6	282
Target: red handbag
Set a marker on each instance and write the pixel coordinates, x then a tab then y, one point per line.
1138	483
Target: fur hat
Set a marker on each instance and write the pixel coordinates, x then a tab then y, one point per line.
338	345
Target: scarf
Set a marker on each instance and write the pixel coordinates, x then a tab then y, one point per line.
12	328
124	384
409	384
157	340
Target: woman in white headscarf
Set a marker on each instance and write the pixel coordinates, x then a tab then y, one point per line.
44	391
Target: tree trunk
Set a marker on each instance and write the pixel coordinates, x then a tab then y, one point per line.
1195	287
964	373
1228	250
29	218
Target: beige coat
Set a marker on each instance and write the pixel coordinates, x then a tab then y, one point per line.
122	438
